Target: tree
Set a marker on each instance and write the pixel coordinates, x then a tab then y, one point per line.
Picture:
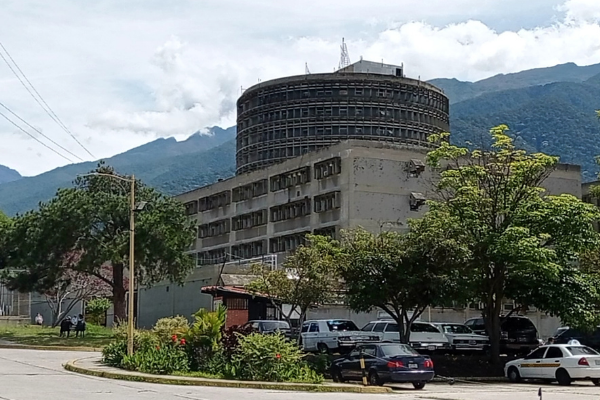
71	289
307	278
5	223
402	274
92	220
522	244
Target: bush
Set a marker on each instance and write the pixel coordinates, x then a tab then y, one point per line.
115	352
231	338
270	358
204	336
162	360
165	328
95	310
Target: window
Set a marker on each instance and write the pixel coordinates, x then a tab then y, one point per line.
554	352
249	250
314	327
341	325
292	210
249	220
216	228
250	190
285	243
304	327
368	327
214	201
328	201
392	327
582	351
390	350
324	169
379	327
476	324
191	208
539	353
370	351
292	178
417	327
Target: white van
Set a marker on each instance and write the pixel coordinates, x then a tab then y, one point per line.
423	335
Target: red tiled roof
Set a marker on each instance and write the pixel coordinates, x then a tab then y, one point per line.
230	289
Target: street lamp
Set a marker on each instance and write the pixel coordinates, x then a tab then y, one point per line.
132	209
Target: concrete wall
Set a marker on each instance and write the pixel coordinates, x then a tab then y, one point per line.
40	305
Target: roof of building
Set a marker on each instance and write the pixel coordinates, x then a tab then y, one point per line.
236	280
216	290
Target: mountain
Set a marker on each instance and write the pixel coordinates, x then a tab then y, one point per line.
8	175
558	118
166	164
459	91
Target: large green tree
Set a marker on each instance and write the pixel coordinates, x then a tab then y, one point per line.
86	228
307	278
523	244
402	274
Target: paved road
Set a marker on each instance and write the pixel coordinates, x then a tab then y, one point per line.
38	375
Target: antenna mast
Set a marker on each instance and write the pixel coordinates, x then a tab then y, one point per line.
344	56
306	70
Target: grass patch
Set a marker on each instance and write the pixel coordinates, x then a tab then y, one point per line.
33	335
198	374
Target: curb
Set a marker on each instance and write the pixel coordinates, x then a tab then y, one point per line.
189	381
470	379
52	348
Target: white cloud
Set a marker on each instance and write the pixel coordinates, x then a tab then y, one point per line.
120	74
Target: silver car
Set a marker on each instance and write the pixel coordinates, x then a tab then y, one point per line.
461	337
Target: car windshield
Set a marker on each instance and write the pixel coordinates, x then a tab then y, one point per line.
582	351
456	329
390	350
275	325
339	325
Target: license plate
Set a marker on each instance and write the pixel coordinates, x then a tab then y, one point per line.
521	340
413	366
430	348
472	342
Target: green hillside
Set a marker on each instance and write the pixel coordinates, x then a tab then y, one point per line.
8	175
164	163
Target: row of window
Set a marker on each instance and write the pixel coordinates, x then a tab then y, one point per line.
259	248
249	220
328	168
387	113
215	228
288	179
290	210
327	202
266	138
250	190
405	94
214	201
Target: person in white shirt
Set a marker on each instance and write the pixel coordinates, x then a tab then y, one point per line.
39	320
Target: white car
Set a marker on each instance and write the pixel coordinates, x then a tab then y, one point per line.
326	335
558	362
461	337
423	335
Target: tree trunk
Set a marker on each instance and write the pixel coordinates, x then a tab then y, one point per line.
492	325
119	294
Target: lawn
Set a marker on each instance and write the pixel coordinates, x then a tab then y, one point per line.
95	336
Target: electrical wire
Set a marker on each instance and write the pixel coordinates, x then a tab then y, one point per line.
34	138
40	132
47	108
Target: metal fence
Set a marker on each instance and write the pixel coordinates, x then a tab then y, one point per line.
14	304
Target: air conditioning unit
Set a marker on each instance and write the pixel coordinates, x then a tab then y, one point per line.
416	167
417	200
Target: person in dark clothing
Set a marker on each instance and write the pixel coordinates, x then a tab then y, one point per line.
80	327
65	327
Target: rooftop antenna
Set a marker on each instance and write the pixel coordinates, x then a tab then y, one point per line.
344	56
306	70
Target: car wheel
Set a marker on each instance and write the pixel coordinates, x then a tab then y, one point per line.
596	382
513	375
374	379
419	385
322	348
563	378
336	375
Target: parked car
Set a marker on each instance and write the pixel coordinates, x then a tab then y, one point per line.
270	326
329	335
385	362
423	335
461	337
592	339
559	362
519	334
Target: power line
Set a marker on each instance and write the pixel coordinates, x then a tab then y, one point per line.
36	139
48	110
40	132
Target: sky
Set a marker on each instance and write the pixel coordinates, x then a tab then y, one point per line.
120	73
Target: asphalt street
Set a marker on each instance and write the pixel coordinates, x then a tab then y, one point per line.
39	375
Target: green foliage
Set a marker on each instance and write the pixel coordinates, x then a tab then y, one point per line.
86	227
165	328
163	359
517	239
402	274
204	335
113	353
306	279
96	309
270	358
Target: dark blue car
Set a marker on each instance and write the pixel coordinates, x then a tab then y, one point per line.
385	362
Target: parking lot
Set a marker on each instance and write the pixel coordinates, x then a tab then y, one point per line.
36	375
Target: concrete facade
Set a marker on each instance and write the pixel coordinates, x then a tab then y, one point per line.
371	184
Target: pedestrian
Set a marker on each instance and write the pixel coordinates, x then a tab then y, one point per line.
39	320
80	327
65	327
550	340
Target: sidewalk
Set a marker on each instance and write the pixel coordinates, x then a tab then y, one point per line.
93	366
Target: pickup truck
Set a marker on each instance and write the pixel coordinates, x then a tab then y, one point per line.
333	335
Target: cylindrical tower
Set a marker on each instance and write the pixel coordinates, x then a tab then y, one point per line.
285	118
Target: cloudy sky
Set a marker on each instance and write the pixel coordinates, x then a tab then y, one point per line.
120	73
